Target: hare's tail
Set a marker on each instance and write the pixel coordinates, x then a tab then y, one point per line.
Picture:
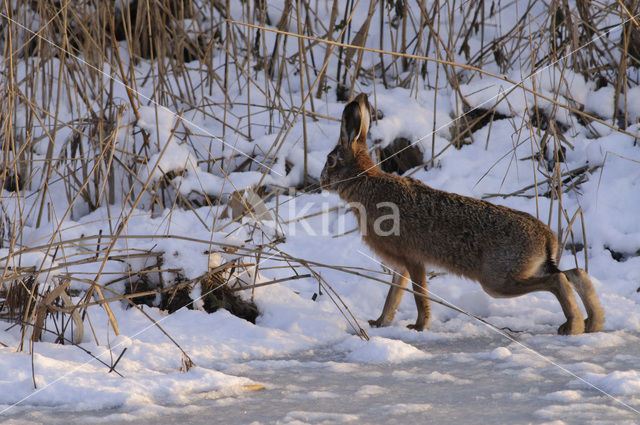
551	264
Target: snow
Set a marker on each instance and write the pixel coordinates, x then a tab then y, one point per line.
379	350
300	418
617	383
37	260
500	353
94	390
397	105
565	396
403	409
600	102
370	390
314	367
632	101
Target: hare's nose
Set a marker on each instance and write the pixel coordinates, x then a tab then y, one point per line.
324	178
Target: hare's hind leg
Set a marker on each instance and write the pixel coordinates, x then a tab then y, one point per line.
583	286
394	296
563	291
558	285
419	283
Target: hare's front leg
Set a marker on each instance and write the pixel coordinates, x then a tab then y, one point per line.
394	296
419	282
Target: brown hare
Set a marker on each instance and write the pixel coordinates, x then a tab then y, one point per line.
508	252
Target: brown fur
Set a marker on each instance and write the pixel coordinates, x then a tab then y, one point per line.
508	252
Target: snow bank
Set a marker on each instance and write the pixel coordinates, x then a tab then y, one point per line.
618	383
85	386
379	350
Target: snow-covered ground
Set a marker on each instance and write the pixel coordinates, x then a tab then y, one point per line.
314	367
443	378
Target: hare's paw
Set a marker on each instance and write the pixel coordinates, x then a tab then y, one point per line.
593	324
416	327
378	323
422	322
571	327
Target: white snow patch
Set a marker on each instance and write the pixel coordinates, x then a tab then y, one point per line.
633	104
432	377
318	418
379	350
500	353
314	395
369	390
402	408
565	396
584	412
38	261
435	377
156	119
86	386
618	383
601	102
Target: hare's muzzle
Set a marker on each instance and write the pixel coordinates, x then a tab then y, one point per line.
324	178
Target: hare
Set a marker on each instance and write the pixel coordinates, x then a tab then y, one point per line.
508	252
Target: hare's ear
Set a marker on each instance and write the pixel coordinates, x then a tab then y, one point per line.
355	121
350	127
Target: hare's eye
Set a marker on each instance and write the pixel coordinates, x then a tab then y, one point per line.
332	160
